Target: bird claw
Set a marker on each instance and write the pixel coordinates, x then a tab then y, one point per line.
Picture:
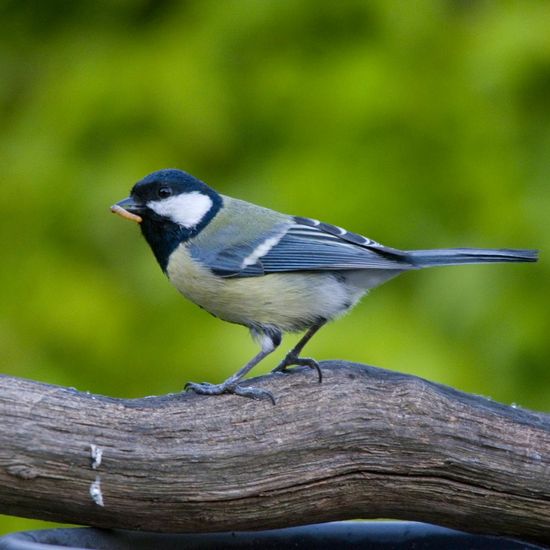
204	388
300	361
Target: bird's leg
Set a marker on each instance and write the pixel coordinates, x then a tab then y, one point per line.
269	342
293	356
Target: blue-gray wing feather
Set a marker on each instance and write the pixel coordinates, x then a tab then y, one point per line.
229	262
306	245
298	252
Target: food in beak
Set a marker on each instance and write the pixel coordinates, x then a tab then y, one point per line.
116	209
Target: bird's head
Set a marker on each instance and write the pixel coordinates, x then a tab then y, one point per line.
171	207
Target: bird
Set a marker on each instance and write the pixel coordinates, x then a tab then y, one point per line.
270	272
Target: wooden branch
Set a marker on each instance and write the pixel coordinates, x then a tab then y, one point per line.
366	443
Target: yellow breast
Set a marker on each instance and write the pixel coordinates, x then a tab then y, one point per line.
289	301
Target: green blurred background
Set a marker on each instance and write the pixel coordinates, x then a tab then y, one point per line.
420	124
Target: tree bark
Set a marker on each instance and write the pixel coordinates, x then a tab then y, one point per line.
366	443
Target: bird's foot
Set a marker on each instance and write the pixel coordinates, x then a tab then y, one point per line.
292	359
204	388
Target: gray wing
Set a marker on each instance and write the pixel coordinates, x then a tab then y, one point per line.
313	245
305	245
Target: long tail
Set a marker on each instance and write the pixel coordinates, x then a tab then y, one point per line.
455	256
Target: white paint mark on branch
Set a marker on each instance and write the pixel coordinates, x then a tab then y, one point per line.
95	491
96	454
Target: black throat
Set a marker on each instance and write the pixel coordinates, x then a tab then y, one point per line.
164	236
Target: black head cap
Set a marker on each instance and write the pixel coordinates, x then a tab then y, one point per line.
174	207
164	183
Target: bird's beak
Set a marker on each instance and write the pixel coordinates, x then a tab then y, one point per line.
128	209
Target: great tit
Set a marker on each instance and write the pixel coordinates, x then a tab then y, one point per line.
268	271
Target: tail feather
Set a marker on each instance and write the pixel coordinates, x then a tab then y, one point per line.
455	256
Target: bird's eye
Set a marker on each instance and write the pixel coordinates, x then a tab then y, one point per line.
164	192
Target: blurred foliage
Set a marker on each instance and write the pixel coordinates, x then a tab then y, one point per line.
422	124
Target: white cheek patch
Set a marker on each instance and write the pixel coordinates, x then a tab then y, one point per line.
187	209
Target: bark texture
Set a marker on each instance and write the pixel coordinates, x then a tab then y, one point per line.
366	443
